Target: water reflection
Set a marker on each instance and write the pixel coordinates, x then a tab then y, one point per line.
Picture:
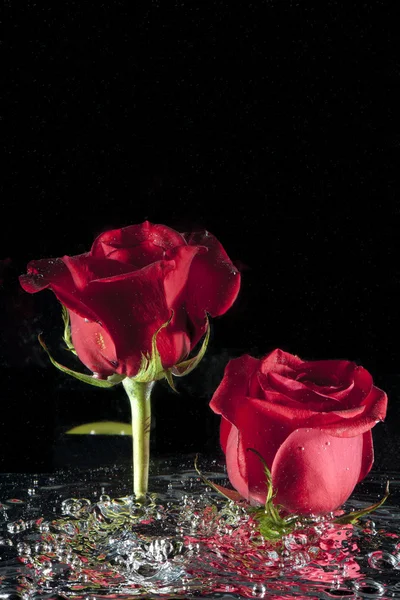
77	535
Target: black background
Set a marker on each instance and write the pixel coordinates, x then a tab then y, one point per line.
266	124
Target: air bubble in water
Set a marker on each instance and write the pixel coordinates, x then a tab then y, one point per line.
163	549
294	542
382	560
42	548
23	549
16	526
368	588
258	590
44	527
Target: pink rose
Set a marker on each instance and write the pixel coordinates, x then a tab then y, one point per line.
311	421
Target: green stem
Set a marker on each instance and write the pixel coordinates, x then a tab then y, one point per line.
139	397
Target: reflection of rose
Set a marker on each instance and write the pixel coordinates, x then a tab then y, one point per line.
310	421
322	555
120	292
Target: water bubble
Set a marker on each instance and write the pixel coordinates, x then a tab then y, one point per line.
46	567
16	526
23	549
163	549
298	560
5	542
42	548
44	527
272	558
259	590
74	506
382	560
368	588
294	541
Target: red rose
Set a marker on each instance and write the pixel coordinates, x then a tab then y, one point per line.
310	421
121	292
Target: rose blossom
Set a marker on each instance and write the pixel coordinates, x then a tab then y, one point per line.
129	284
311	422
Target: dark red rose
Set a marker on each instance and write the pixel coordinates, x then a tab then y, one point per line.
310	421
120	293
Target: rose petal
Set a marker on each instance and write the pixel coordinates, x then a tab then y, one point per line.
368	455
54	274
132	307
213	282
295	393
136	244
374	410
84	269
314	472
94	346
138	256
42	273
328	372
236	463
280	362
224	431
363	384
233	389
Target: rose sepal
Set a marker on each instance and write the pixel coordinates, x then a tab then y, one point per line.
67	330
186	366
151	368
353	517
272	525
228	494
103	383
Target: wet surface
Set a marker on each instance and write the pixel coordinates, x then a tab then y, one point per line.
79	534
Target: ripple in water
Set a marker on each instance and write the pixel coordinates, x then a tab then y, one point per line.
186	541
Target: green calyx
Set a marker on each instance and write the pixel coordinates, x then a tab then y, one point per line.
272	525
67	330
103	383
150	369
